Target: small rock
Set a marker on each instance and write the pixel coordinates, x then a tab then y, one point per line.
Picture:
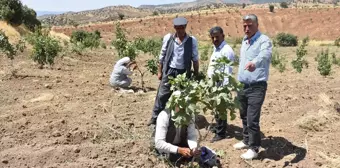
5	161
337	107
24	106
94	156
56	134
77	150
59	68
318	164
24	114
58	81
266	160
70	81
48	86
63	121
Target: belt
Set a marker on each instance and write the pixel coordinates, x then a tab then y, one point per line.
248	85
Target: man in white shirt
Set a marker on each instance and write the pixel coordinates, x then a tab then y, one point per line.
179	144
119	76
221	49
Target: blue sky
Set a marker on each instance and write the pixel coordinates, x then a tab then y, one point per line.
79	5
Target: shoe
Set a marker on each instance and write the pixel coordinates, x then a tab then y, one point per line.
241	145
249	155
152	122
217	138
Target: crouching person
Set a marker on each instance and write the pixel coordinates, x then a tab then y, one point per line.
178	144
119	77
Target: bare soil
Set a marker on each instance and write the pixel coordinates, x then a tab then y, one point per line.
69	116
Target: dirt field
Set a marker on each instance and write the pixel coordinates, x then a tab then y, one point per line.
69	116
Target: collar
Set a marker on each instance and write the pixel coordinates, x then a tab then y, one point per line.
221	45
254	38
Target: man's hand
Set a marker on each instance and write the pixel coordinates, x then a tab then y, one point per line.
250	67
159	75
134	66
185	152
195	152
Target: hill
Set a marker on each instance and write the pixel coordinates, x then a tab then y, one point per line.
42	13
312	22
99	15
112	13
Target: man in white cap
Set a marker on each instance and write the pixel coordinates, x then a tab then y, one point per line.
179	52
119	76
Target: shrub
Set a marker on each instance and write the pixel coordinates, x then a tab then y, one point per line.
45	48
155	13
6	47
204	52
86	39
286	39
337	42
335	60
278	61
284	5
120	42
271	8
324	63
300	62
103	45
121	16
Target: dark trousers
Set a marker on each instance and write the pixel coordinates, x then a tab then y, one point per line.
164	92
251	99
221	126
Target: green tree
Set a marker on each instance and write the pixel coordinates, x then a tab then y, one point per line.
286	39
45	48
271	8
284	5
121	16
6	47
324	63
11	11
337	42
300	61
85	39
30	18
120	42
191	97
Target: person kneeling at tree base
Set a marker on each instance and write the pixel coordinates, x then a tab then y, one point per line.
119	77
179	145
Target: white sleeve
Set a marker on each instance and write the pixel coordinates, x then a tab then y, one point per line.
160	135
229	53
126	71
192	135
